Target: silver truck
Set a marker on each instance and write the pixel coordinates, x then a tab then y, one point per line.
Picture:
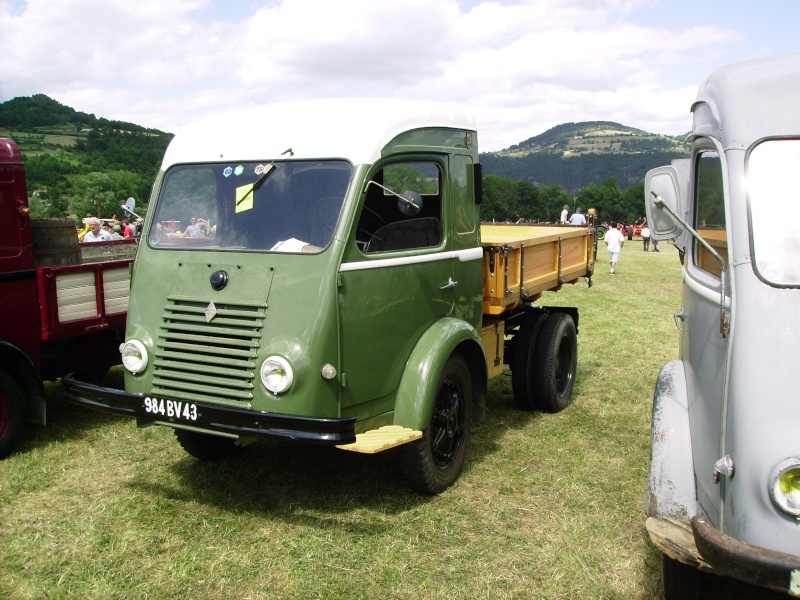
723	489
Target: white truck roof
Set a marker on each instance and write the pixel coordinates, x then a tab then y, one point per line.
753	99
353	129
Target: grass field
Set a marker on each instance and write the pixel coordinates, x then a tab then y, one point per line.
548	506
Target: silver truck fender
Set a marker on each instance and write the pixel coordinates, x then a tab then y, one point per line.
670	479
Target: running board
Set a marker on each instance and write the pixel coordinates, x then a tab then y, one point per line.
383	438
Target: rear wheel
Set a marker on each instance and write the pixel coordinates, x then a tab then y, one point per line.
556	363
204	446
522	361
433	463
12	412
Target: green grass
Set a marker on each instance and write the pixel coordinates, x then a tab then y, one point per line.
548	506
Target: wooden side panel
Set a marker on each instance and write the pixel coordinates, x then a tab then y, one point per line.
522	262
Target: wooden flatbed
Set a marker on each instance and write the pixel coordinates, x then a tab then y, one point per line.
520	262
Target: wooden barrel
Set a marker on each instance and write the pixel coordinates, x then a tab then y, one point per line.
55	242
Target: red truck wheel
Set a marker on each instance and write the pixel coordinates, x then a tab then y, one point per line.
12	412
433	463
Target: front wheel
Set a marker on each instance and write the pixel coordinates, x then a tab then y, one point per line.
433	463
12	412
204	446
601	232
681	582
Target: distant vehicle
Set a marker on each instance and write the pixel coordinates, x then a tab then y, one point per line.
723	490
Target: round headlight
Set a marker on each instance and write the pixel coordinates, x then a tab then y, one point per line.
785	486
134	356
276	374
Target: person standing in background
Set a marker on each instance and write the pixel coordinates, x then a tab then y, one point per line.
614	240
577	218
646	237
565	214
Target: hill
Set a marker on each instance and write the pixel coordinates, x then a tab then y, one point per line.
574	155
59	141
61	144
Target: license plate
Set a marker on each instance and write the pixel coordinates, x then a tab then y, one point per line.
170	409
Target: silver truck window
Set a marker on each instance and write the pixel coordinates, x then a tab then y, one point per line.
386	224
276	206
773	197
709	211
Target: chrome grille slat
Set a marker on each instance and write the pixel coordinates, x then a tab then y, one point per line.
208	360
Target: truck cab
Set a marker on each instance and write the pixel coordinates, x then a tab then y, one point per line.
723	491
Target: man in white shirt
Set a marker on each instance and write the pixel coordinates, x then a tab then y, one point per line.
96	233
577	218
565	214
614	240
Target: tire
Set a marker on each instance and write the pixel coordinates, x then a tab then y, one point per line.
555	363
12	413
600	233
681	582
522	361
205	446
433	463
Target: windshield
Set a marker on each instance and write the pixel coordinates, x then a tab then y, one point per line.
773	194
280	206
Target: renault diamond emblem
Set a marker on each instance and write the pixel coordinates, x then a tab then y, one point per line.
211	312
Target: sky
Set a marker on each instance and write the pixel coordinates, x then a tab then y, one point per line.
520	66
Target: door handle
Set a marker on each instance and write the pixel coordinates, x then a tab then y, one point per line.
450	284
679	317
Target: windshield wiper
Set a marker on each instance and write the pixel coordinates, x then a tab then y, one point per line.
267	170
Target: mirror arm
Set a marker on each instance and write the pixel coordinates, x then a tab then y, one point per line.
403	199
724	324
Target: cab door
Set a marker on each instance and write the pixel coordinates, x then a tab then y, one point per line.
704	339
396	279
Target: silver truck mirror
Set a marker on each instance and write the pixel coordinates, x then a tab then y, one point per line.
662	187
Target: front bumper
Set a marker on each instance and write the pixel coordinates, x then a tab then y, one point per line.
766	568
219	419
705	547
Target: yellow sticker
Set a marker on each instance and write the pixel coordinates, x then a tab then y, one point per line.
244	198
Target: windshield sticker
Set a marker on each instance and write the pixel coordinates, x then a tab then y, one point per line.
227	172
260	169
238	170
244	198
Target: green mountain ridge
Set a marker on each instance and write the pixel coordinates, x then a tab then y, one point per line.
61	144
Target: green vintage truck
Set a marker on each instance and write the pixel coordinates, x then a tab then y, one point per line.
316	271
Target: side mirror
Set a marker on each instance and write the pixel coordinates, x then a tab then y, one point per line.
661	187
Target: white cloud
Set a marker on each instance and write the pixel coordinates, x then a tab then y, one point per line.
523	66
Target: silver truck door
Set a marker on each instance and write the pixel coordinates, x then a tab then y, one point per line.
704	341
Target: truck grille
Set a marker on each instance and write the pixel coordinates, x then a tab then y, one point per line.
206	352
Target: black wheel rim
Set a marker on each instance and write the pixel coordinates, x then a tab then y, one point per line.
448	423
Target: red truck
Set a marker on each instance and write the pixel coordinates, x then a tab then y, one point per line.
63	304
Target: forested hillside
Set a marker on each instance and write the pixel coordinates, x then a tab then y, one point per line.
80	164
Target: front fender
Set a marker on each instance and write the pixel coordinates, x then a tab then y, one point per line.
417	390
670	481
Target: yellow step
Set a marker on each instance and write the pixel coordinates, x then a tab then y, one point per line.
383	438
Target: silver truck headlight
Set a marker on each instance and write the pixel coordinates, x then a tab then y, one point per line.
785	486
134	356
276	374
